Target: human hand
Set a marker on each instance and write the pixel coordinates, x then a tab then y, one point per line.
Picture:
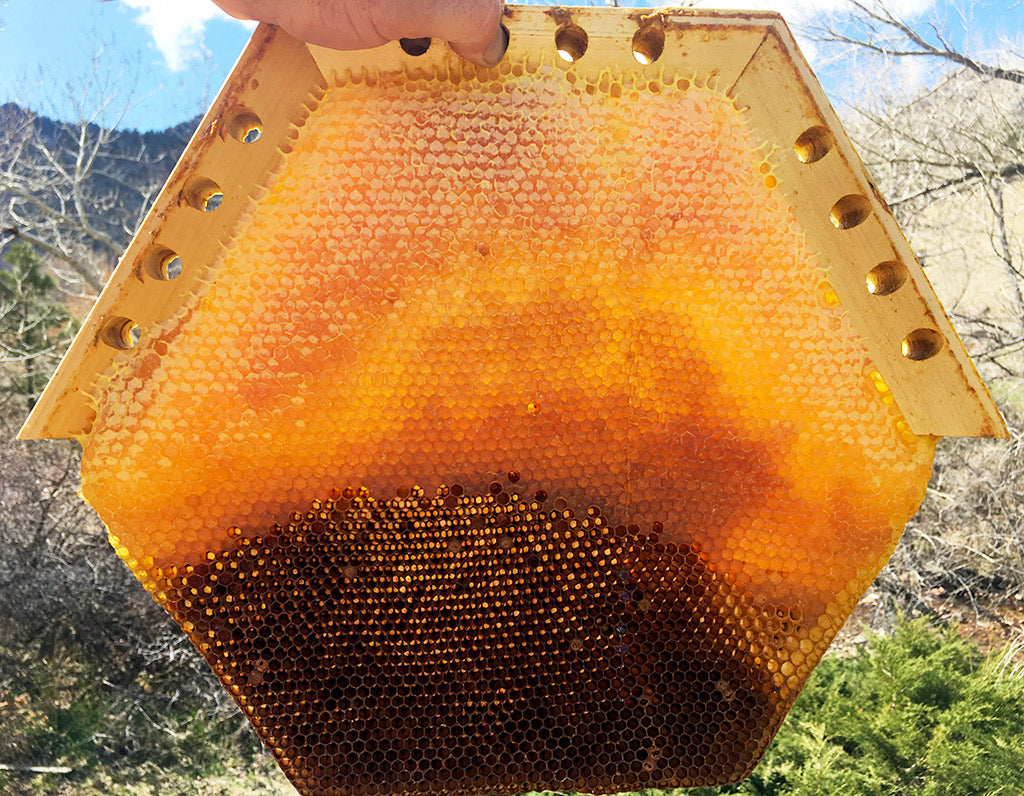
472	27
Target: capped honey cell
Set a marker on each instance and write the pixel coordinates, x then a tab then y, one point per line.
520	428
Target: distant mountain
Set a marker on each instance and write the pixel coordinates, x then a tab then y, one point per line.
128	169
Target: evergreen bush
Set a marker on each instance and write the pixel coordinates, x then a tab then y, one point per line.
918	711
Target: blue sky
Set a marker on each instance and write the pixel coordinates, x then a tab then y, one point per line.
166	58
159	62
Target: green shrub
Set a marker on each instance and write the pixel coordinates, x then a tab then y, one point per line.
919	711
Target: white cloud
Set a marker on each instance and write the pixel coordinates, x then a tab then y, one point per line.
177	26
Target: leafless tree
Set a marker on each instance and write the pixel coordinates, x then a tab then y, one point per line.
877	27
76	190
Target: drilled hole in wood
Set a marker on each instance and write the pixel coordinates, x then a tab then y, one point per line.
415	46
204	194
245	126
571	43
886	278
162	263
922	344
121	333
850	211
813	144
648	44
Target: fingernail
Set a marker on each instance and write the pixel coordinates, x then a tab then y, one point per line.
495	51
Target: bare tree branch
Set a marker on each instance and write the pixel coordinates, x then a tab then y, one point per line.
879	18
87	274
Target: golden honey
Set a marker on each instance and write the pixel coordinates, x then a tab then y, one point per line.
515	441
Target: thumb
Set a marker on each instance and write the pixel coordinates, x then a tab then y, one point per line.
489	54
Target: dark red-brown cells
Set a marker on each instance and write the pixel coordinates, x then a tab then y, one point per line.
480	643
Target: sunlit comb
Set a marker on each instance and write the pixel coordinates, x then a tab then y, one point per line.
516	429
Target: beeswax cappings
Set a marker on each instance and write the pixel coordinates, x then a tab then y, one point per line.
515	442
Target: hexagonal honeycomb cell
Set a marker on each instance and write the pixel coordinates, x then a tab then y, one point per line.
513	430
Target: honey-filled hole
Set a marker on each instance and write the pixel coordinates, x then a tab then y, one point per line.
850	211
813	144
886	278
204	194
571	42
648	44
121	333
245	126
922	344
162	263
417	46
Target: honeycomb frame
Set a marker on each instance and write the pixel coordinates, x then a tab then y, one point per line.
535	427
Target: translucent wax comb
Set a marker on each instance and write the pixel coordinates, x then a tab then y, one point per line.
525	428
